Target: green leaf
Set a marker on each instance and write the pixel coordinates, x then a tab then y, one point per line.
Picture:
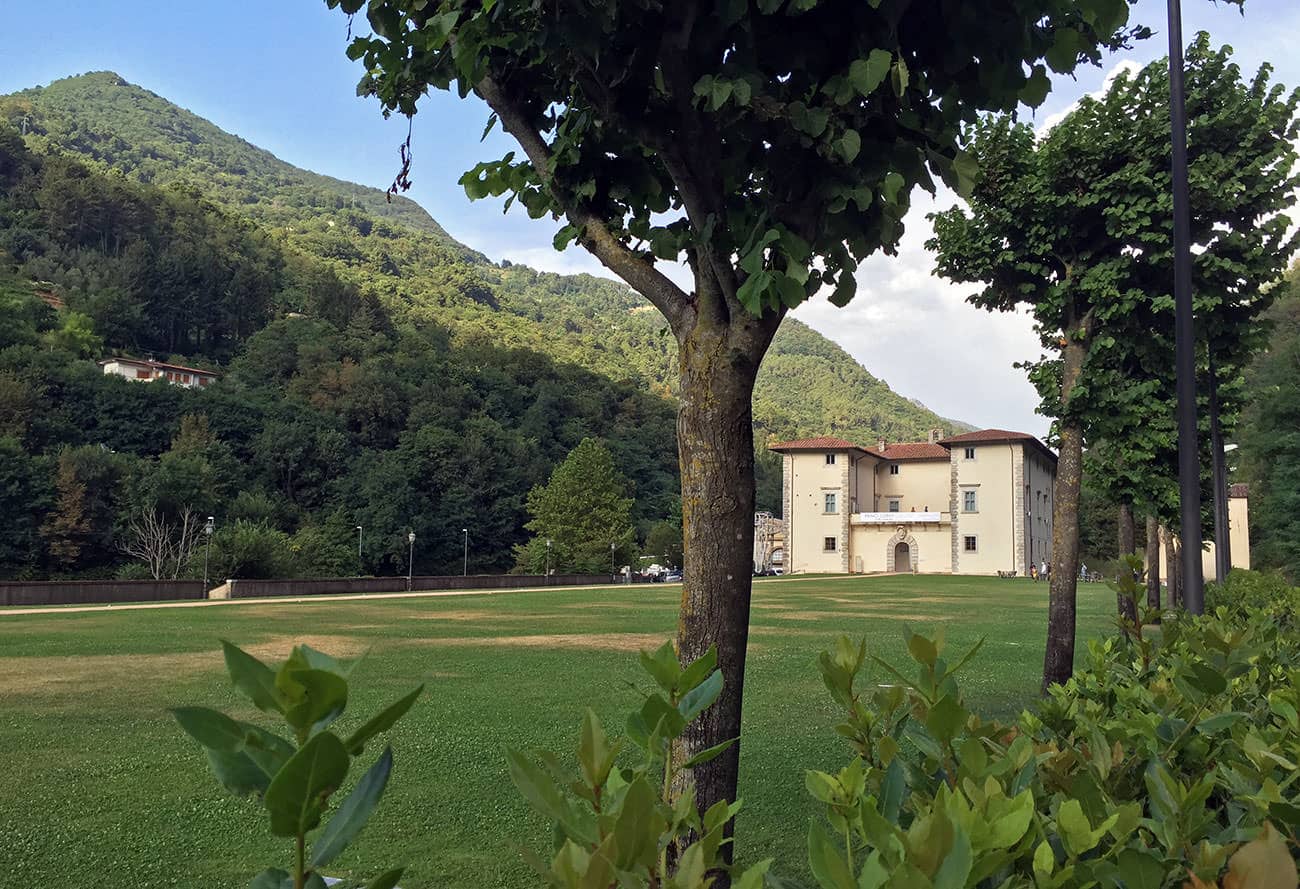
967	170
313	698
827	861
892	185
271	878
869	73
848	145
846	287
381	722
1141	870
900	77
212	729
946	718
719	94
540	789
753	876
347	822
956	865
1207	680
238	772
892	790
708	753
698	670
252	677
297	795
595	754
1074	827
387	880
1036	87
662	665
700	698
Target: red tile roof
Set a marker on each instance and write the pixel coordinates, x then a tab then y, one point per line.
981	435
993	436
1239	490
821	443
918	450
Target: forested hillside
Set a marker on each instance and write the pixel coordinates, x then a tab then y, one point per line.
375	371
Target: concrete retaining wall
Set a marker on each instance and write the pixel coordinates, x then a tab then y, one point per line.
324	586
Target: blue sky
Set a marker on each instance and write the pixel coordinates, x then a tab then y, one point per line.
274	72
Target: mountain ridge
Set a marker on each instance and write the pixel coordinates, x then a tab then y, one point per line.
398	253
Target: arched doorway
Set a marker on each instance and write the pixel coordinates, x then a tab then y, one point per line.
900	552
902	557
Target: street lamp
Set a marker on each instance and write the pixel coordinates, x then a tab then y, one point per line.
464	570
410	564
1189	469
613	571
208	530
358	547
548	560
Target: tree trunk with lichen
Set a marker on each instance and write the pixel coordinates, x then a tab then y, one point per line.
1058	657
715	440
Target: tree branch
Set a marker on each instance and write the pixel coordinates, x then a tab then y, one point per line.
636	270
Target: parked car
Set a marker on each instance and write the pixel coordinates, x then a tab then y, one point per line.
673	577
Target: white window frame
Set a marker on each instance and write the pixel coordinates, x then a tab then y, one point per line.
969	454
895	505
972	539
830	459
970	501
893	469
830	503
830	544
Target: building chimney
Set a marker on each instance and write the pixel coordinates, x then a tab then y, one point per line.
935	435
880	445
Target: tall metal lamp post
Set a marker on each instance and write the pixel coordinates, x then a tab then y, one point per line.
613	571
410	564
464	570
548	560
208	531
358	546
1189	469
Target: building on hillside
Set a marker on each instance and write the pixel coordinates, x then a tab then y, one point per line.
1238	536
975	503
145	371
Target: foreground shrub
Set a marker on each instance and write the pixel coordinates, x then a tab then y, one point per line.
620	825
1245	589
1155	762
294	779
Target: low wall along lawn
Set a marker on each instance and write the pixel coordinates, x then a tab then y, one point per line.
89	592
325	586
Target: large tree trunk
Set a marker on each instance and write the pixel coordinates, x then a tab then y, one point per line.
715	441
1058	658
1127	547
1153	562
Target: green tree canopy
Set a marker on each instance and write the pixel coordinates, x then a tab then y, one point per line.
1077	225
582	509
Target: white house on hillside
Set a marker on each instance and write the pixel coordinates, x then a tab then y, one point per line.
145	371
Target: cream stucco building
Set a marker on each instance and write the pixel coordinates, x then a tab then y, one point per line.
976	503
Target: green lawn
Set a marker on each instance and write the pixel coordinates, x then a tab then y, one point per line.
99	787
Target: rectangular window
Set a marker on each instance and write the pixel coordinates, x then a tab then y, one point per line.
970	453
830	544
893	469
970	544
830	459
830	505
142	375
895	506
968	502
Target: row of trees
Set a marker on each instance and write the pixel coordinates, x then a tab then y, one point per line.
1076	225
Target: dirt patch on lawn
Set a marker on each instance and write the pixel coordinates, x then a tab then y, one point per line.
870	614
630	642
83	673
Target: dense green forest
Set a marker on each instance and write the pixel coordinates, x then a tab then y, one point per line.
375	372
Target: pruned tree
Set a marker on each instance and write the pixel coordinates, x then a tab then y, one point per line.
770	146
1077	225
164	544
